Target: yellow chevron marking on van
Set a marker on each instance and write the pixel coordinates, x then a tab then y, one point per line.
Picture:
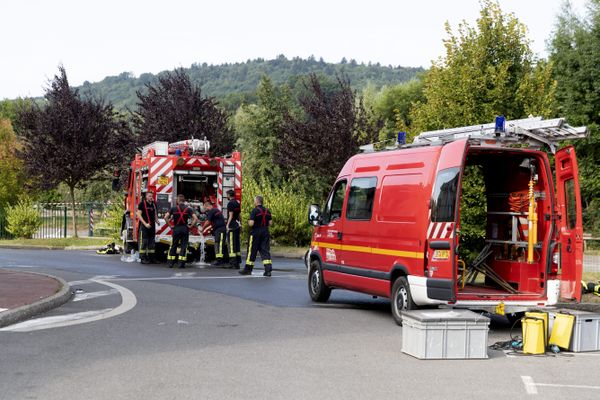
370	250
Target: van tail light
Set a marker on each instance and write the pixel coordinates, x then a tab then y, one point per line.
555	261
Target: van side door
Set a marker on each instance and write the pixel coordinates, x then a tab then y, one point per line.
329	238
444	216
570	224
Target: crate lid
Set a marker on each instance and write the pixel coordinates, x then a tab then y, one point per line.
444	315
578	313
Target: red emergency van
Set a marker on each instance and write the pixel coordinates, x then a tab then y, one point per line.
391	225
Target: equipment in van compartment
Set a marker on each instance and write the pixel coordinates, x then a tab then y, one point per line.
444	334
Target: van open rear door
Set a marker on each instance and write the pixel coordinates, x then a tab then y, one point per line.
570	224
444	214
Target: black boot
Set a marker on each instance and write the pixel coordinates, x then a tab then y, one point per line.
144	259
267	271
245	271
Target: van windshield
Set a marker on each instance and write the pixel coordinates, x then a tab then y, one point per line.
443	201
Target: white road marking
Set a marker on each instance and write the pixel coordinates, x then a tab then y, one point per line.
569	386
3	309
93	295
128	301
529	385
180	321
48	322
83	282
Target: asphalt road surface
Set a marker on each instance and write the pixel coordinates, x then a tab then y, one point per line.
137	331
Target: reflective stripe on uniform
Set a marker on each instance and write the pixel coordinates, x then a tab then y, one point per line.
267	262
249	251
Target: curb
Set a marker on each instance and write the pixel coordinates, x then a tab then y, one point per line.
41	247
27	311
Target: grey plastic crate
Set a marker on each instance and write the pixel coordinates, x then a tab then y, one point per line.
444	334
586	330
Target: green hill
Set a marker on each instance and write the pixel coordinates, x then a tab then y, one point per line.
236	82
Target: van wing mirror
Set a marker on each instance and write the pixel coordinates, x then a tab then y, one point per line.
314	215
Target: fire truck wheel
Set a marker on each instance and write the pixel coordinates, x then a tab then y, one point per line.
317	289
401	299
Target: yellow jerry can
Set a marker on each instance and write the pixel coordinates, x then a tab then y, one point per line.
534	335
562	330
544	316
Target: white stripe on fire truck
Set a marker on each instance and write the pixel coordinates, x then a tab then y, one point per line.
436	231
163	170
167	188
154	165
158	169
445	229
191	161
429	229
236	182
228	162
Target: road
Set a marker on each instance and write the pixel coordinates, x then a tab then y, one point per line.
136	331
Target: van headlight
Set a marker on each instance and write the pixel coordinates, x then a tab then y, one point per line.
556	258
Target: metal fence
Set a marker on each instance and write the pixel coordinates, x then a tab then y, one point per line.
57	220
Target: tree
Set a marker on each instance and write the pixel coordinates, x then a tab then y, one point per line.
70	139
316	145
575	52
259	128
174	109
11	167
488	70
394	105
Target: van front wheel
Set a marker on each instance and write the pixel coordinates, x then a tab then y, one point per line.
401	299
317	289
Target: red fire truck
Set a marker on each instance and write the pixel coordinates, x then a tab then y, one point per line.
392	224
183	167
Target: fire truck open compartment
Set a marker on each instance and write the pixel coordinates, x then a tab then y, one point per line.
494	238
196	186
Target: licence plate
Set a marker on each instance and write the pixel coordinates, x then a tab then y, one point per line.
441	254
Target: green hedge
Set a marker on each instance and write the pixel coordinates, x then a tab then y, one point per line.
289	209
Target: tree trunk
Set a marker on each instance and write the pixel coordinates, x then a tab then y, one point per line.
72	191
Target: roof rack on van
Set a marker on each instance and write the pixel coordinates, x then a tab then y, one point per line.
533	131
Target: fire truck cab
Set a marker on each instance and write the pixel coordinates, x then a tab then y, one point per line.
183	167
393	223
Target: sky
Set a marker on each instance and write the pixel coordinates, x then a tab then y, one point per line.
93	39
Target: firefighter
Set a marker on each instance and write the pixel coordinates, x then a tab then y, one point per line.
233	230
259	222
146	213
180	214
214	218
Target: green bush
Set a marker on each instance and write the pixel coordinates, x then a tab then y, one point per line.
23	220
111	225
288	207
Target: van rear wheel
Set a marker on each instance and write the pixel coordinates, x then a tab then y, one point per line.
401	299
317	289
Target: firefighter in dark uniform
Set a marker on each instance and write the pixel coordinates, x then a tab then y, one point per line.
146	213
181	215
259	222
234	210
214	217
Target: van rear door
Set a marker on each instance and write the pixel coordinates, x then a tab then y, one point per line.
441	232
570	224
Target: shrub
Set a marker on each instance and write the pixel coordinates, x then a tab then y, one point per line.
23	220
111	225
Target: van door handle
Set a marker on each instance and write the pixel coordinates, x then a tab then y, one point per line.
339	235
